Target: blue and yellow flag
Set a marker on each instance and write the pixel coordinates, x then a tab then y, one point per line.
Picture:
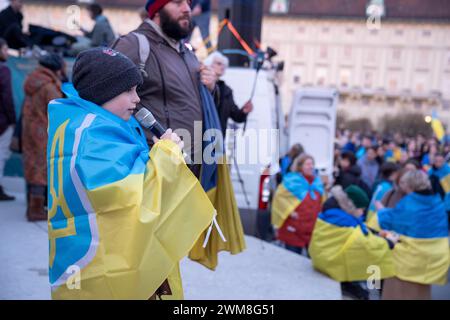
344	249
422	255
443	174
120	218
228	234
378	195
437	126
290	194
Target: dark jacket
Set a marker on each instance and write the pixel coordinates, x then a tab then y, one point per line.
352	176
171	90
7	113
227	108
11	28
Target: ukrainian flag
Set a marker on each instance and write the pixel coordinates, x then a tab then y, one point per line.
378	195
120	218
343	248
290	194
422	255
444	178
437	126
228	234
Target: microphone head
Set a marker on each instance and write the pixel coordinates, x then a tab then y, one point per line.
145	118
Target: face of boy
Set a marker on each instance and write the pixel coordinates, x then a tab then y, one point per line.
124	104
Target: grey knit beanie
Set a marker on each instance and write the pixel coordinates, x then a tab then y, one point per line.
101	74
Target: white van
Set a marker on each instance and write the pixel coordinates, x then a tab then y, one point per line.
254	154
312	122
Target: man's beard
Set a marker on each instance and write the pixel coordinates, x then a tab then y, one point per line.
172	27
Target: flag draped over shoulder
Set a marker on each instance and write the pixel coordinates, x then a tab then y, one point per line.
215	179
290	194
343	248
120	218
422	255
443	174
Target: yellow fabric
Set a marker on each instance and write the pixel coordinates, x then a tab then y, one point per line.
438	128
445	183
229	220
372	222
284	203
424	261
146	225
345	253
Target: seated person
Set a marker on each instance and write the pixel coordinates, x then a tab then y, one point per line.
421	258
342	246
101	35
120	216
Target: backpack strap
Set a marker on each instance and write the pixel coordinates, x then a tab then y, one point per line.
144	52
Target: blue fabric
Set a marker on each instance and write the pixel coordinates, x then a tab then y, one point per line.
297	184
109	150
340	218
426	160
382	188
349	146
121	140
442	173
417	216
389	155
212	142
361	152
285	163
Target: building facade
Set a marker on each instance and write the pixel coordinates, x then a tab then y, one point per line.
398	63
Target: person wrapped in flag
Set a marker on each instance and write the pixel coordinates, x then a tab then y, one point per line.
440	179
342	246
121	217
389	172
421	257
297	203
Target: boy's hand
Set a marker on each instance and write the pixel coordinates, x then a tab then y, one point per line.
169	135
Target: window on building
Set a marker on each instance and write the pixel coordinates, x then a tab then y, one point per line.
426	33
368	79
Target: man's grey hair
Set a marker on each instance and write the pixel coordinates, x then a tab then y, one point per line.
219	56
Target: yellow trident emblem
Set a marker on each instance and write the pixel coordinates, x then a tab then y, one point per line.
58	199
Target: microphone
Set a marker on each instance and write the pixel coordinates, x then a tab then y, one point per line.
148	121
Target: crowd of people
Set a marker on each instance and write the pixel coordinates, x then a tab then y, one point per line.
387	205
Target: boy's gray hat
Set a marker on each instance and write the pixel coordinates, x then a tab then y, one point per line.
101	74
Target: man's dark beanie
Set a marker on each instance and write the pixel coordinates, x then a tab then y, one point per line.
51	61
101	74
